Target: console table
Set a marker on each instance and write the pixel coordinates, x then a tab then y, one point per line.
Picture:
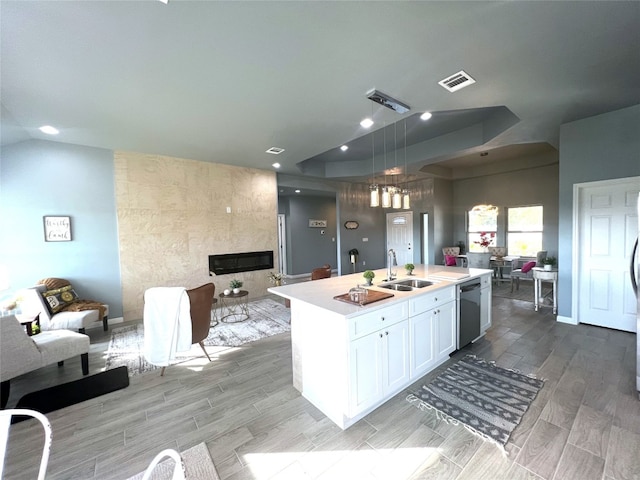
541	275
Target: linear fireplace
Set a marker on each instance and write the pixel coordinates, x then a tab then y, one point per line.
240	262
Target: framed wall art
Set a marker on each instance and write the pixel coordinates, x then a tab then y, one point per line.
57	229
317	223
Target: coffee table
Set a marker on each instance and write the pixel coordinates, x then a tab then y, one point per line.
234	307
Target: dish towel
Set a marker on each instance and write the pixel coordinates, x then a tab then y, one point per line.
167	324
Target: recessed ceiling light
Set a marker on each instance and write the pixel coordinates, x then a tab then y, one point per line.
344	148
275	165
297	191
49	130
275	150
366	123
425	116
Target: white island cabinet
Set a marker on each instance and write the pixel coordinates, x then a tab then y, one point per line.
349	359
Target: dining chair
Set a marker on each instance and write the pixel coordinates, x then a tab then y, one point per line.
321	272
450	255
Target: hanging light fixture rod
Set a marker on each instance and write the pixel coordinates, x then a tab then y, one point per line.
387	101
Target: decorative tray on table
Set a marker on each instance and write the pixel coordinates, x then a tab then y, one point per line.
372	296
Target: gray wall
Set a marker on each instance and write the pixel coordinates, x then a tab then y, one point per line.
308	247
353	202
597	148
39	178
534	186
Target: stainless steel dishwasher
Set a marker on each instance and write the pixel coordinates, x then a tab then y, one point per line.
469	317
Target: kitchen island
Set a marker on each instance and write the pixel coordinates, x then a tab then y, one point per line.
349	359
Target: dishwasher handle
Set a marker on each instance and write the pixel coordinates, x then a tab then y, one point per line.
469	288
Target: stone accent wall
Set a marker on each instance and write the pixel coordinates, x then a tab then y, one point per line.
172	216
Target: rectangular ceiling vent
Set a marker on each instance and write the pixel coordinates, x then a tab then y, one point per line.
275	150
387	101
457	81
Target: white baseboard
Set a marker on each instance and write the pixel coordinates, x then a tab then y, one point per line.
568	320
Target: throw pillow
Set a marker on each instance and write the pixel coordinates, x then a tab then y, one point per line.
528	266
60	297
53	283
450	260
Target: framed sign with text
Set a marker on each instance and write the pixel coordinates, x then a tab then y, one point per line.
317	223
57	229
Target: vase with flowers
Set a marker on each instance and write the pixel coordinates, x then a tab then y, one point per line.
275	278
485	240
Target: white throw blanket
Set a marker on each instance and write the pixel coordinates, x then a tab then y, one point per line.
167	324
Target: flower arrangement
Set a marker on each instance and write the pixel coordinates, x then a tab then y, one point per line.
485	239
275	278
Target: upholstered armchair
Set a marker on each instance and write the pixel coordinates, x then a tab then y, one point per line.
59	307
522	268
21	353
167	311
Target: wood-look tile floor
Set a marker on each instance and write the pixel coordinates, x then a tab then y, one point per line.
584	424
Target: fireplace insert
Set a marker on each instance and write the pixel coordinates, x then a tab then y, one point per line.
240	262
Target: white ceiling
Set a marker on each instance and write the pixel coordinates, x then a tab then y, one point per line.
224	81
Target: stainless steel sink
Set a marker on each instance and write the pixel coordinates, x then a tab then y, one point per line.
415	283
397	286
407	285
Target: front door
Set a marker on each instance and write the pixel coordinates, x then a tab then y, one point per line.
607	229
400	237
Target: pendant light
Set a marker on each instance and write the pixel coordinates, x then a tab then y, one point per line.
396	197
406	203
386	193
374	194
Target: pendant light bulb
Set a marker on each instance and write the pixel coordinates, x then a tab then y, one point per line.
406	203
386	197
375	196
396	198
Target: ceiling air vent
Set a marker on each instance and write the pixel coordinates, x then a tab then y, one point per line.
275	150
457	81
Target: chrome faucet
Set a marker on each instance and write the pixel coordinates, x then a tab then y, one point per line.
391	254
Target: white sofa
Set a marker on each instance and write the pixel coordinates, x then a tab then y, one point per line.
20	353
33	303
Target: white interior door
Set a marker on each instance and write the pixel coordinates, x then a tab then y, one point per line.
400	237
607	229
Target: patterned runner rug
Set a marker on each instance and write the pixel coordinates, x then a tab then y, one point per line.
267	317
488	400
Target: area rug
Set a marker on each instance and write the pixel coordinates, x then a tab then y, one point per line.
70	393
488	400
267	317
197	463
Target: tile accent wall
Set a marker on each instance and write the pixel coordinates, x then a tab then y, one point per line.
172	216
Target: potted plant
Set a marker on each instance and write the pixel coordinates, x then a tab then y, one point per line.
549	263
235	285
369	275
409	268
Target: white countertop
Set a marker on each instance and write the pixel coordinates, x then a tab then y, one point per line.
321	292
